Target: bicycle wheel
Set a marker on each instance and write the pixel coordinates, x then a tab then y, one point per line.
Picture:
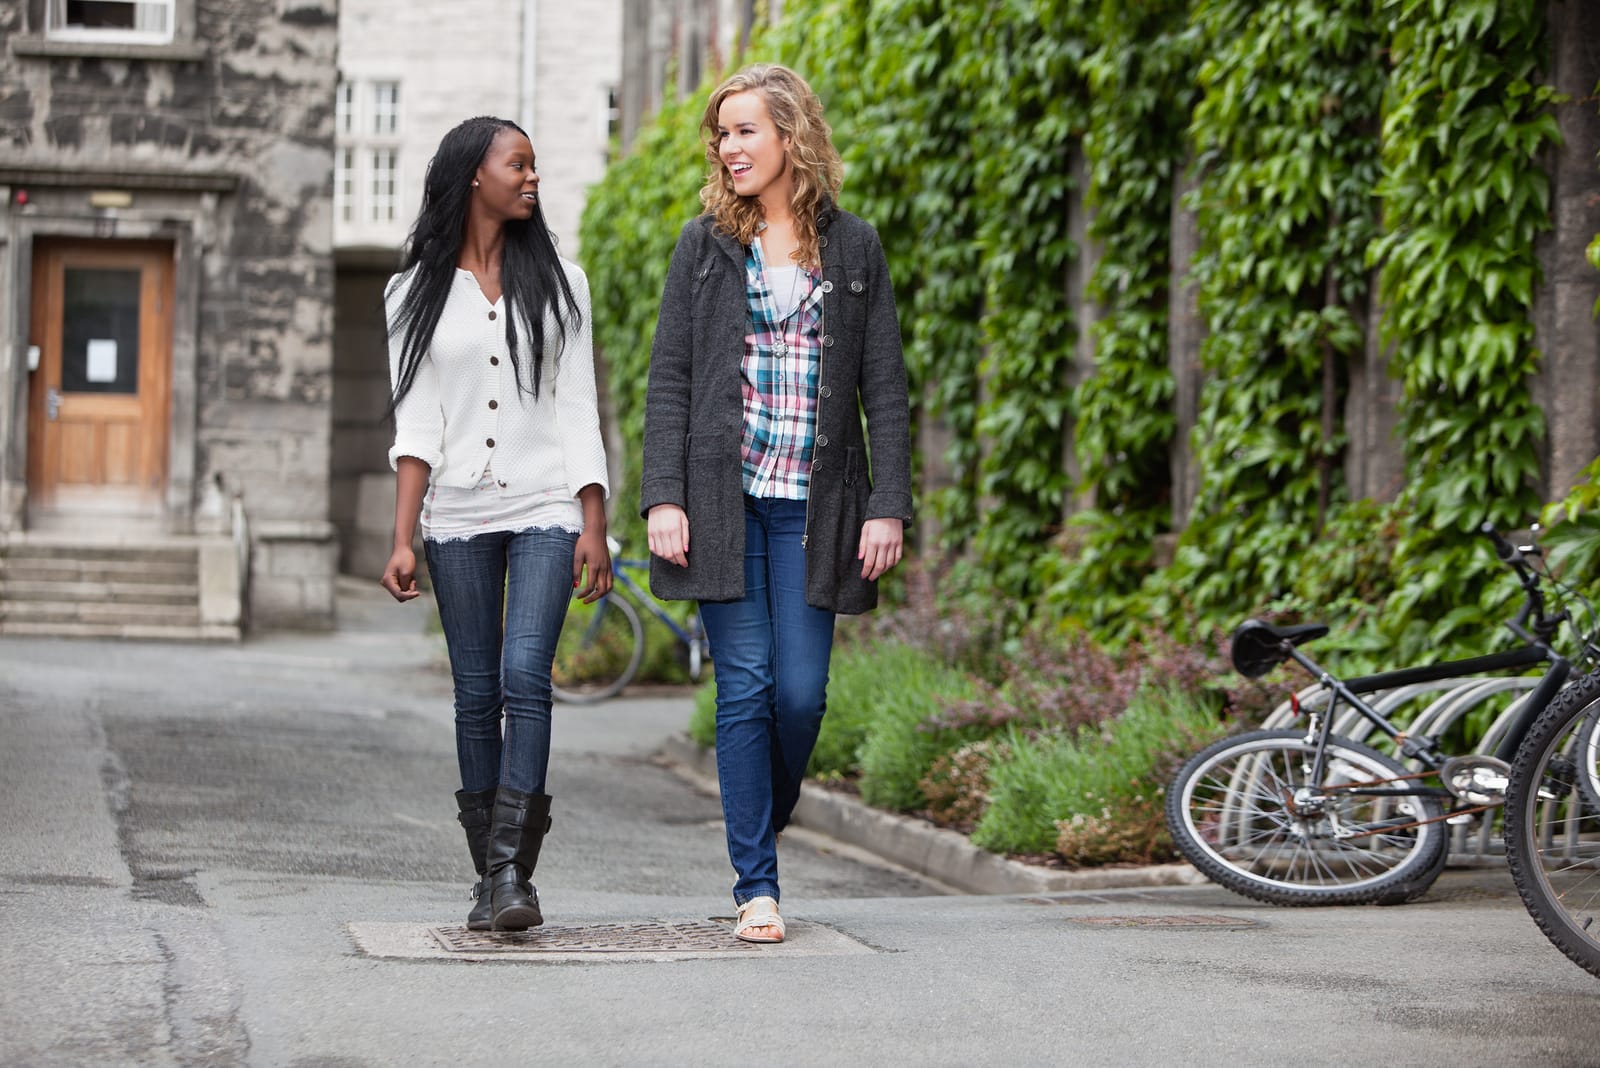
1242	811
599	651
1553	825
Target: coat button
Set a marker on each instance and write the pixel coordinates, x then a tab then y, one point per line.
827	287
492	314
502	485
490	443
826	391
827	340
493	405
822	439
494	361
822	242
856	287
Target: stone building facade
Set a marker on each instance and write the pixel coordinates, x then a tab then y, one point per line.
669	45
406	77
166	315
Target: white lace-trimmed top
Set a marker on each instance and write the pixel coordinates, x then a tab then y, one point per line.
465	417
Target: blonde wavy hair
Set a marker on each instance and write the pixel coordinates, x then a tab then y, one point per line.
813	161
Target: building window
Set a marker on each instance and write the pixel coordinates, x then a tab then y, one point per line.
131	21
385	109
610	115
345	108
366	186
385	184
344	184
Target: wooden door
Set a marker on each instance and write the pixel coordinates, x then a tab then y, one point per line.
98	403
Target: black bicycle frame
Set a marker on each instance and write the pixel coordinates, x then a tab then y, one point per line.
1534	652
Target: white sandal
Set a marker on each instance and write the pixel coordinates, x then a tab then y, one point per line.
757	913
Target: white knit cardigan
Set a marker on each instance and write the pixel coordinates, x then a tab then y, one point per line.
464	412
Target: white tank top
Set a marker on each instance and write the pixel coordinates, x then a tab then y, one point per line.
450	513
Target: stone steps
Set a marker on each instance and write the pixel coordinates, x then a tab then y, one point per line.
55	587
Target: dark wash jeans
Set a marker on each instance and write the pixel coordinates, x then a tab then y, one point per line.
502	599
771	652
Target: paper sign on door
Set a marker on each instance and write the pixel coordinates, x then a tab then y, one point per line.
102	353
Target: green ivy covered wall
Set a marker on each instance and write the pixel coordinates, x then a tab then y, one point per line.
1168	272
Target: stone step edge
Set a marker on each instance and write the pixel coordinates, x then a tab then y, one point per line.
198	632
937	853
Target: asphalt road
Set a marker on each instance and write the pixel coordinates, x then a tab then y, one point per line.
221	855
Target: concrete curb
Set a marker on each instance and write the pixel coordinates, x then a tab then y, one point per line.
942	855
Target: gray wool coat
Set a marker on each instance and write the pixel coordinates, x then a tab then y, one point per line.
694	414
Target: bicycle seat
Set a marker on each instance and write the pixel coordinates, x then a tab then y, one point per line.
1256	647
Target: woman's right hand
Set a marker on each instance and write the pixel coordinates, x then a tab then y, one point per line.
400	575
668	527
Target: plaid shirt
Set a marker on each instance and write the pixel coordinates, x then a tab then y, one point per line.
782	364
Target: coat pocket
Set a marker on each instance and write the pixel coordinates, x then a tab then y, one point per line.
852	465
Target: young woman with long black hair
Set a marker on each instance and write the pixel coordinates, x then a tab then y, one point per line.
777	332
498	451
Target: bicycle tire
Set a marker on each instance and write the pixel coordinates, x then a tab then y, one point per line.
598	653
1552	825
1588	741
1227	815
693	654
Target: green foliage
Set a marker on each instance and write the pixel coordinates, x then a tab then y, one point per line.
1139	83
703	719
1046	788
1331	143
629	227
1285	215
1464	197
1031	95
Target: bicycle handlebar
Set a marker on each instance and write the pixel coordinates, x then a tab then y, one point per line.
1507	552
1544	627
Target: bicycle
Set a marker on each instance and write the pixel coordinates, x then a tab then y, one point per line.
600	650
1552	823
1310	817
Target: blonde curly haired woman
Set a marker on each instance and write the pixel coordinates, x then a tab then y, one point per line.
777	331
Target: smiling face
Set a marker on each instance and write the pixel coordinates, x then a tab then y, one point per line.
755	154
506	185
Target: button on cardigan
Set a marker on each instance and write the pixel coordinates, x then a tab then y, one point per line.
465	413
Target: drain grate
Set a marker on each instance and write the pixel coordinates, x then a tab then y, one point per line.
650	940
1197	920
693	936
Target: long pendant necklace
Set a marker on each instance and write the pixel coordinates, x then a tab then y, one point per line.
780	347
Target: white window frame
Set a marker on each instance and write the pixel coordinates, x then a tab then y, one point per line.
346	187
57	28
344	109
369	161
383	166
385	115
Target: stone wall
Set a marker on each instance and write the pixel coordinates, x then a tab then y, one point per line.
224	141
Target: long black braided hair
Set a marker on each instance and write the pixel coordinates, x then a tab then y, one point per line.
531	275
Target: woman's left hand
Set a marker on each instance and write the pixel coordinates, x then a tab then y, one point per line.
881	543
591	560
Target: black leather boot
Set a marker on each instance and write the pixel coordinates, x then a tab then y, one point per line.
477	813
520	824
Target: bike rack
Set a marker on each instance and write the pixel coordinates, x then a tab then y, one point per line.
1456	698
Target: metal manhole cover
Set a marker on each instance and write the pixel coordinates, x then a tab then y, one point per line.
650	937
632	941
1199	920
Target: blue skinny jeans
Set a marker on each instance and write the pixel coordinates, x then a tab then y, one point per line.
502	599
771	652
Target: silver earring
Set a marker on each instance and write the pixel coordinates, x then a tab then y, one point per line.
474	183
